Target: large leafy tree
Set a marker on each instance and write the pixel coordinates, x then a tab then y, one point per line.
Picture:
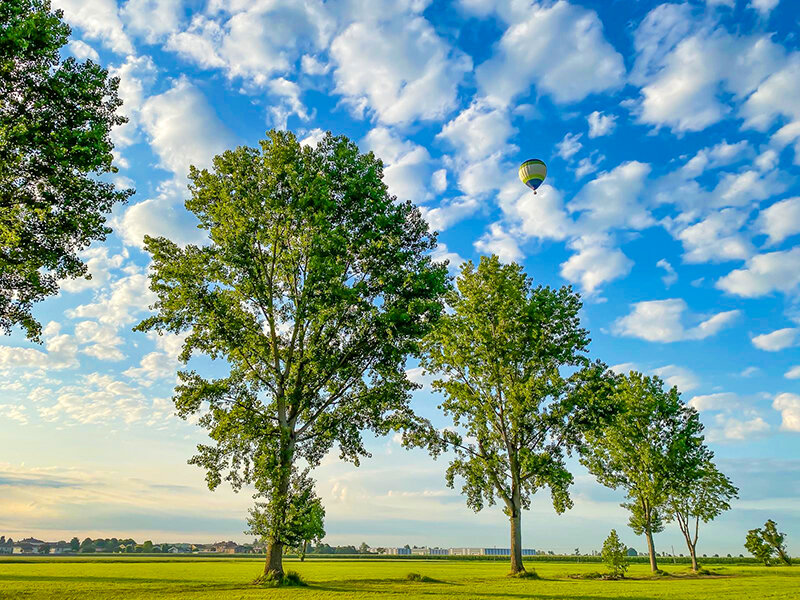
501	353
651	447
315	287
701	499
55	119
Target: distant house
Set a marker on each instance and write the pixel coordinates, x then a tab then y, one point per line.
632	552
226	548
6	548
178	550
397	551
61	548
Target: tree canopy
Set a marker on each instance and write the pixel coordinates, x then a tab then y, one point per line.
315	286
702	499
651	447
55	122
499	353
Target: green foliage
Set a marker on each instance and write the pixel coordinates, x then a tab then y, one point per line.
500	353
615	555
288	579
55	121
758	547
763	543
702	499
652	448
315	287
300	520
419	578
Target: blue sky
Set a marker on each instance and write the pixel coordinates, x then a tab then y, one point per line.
672	136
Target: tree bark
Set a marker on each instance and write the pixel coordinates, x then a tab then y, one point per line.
693	554
303	551
651	549
516	533
273	568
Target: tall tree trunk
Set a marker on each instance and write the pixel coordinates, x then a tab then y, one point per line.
303	551
693	554
516	532
273	567
651	549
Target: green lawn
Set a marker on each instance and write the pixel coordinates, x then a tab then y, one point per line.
230	578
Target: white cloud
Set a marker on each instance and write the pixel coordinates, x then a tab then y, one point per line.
745	187
595	262
100	341
789	407
100	399
685	68
401	71
312	65
163	215
407	165
717	156
670	276
313	137
254	40
14	412
439	180
662	321
99	264
498	241
99	19
716	238
569	146
541	216
793	373
612	200
478	131
675	375
750	372
61	352
715	402
731	428
449	211
764	7
780	220
777	340
588	164
559	48
735	419
289	102
152	19
120	304
600	124
171	121
776	96
442	253
81	50
764	274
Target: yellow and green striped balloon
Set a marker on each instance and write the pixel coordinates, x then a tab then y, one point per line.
532	173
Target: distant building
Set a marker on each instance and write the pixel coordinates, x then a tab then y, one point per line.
489	552
225	547
397	551
632	552
6	548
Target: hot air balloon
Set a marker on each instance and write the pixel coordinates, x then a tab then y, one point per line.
532	173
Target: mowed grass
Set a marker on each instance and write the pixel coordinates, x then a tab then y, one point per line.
359	579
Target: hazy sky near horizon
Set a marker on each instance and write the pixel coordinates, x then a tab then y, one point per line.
672	137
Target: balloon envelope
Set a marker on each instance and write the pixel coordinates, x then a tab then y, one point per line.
532	173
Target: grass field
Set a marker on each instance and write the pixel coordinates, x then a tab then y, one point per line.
132	579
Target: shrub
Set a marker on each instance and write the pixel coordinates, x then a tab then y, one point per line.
419	578
289	579
615	555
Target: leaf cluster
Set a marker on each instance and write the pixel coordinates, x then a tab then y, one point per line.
55	122
315	286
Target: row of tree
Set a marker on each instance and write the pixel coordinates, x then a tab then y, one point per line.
316	287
